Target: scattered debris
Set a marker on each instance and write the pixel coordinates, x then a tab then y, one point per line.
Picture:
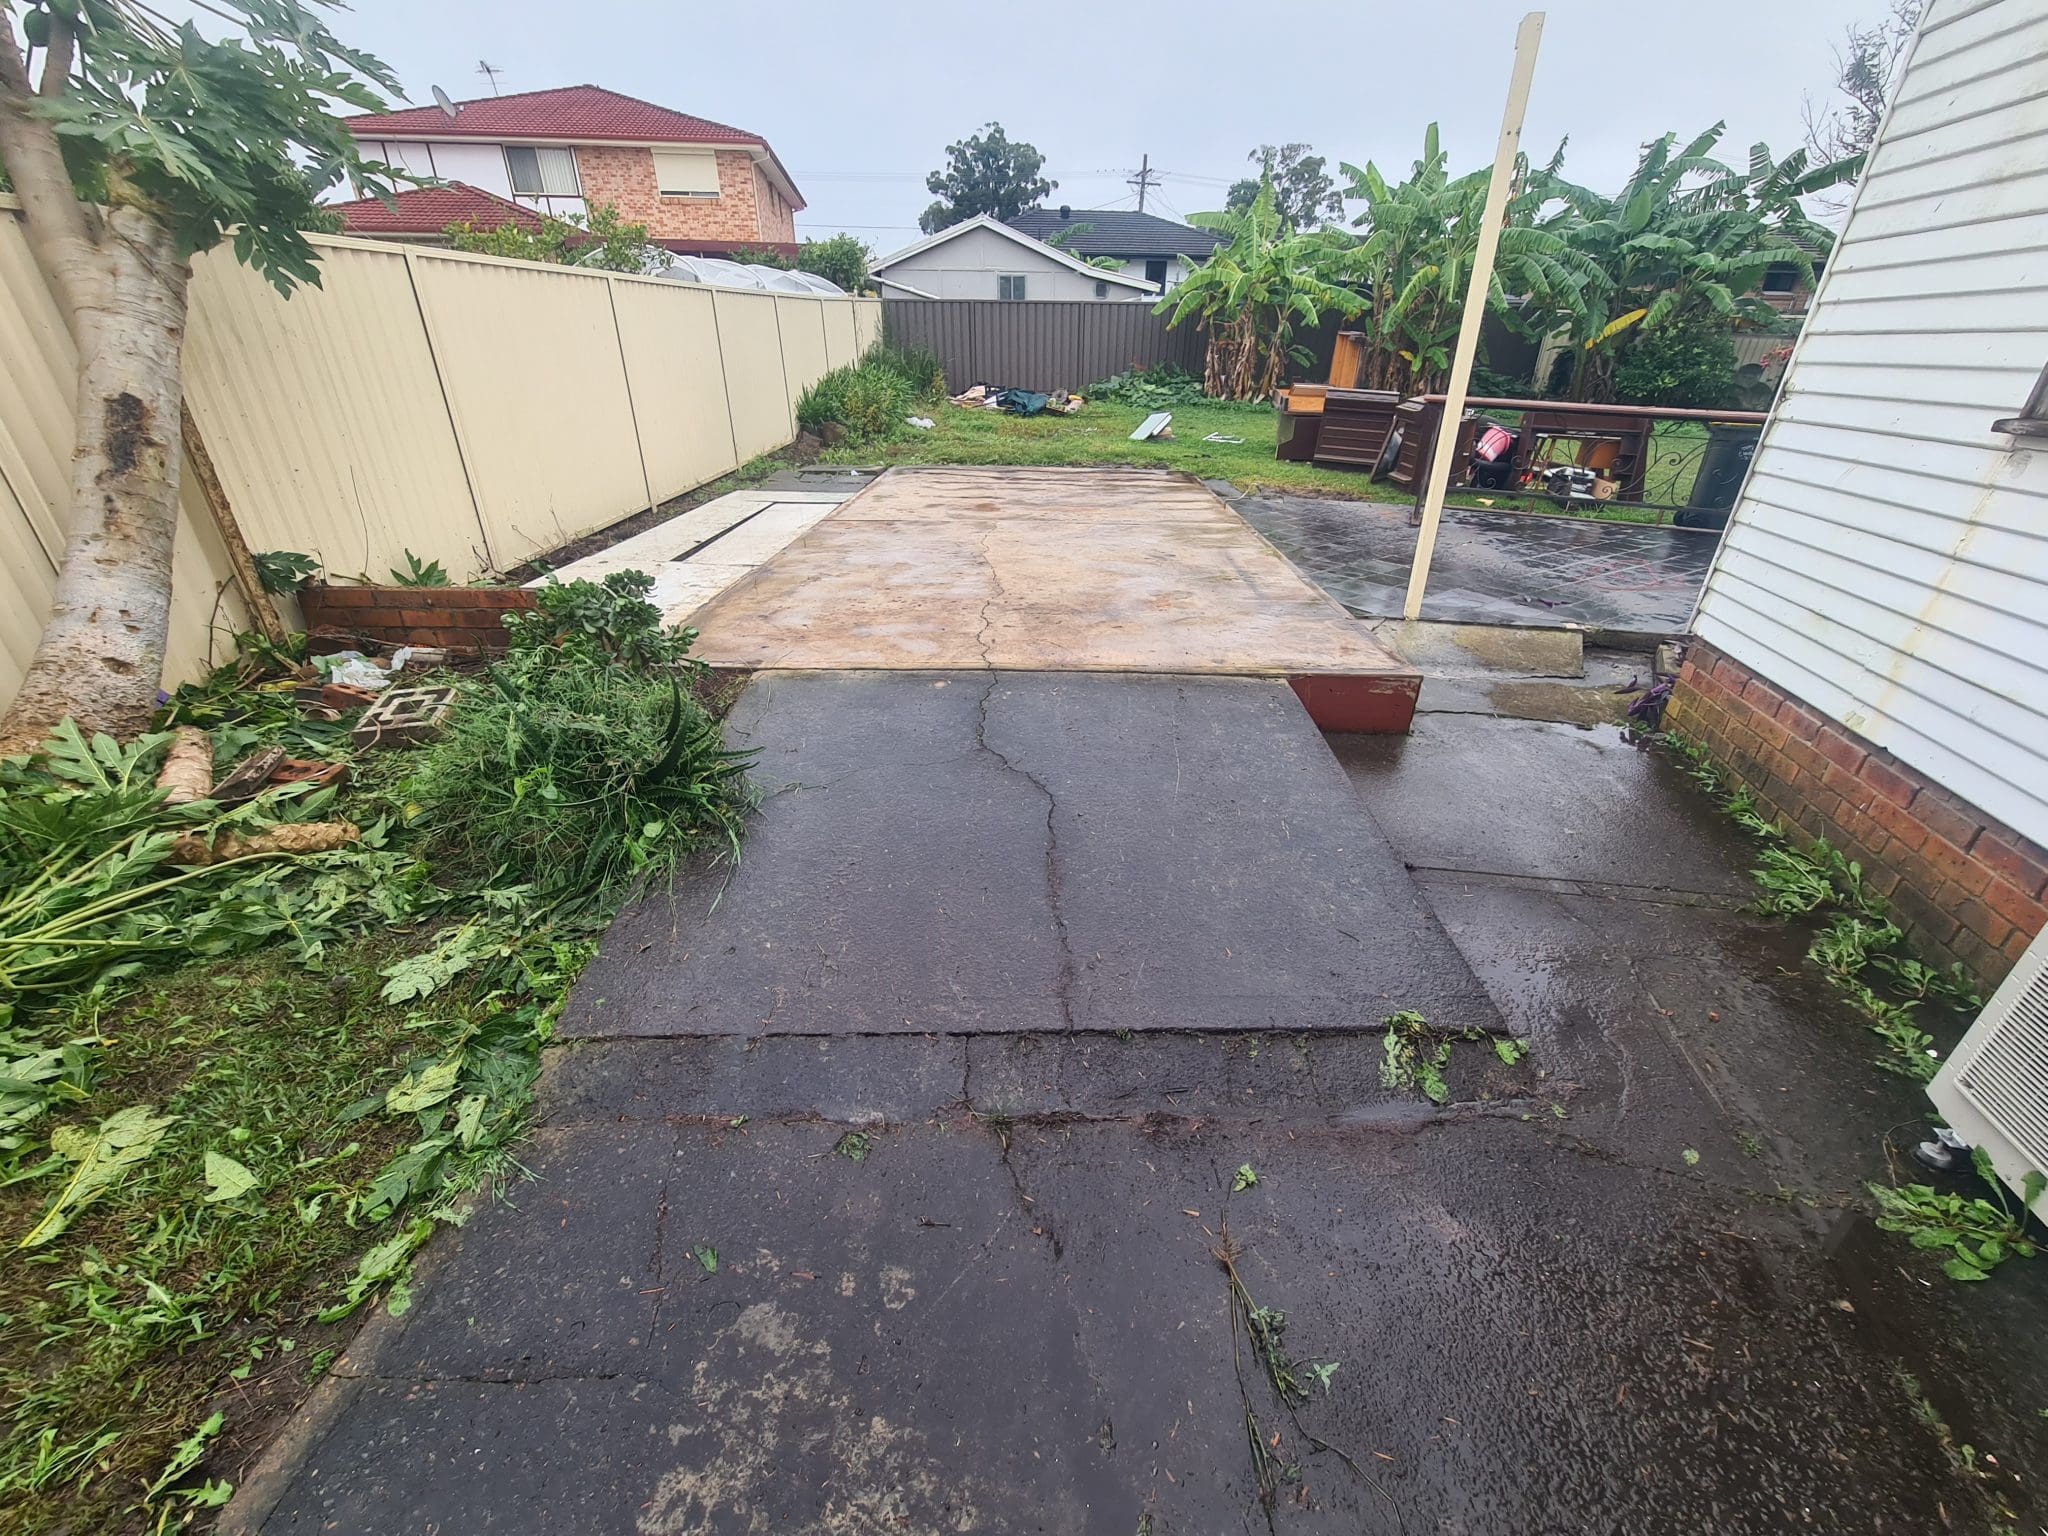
297	837
1221	437
352	669
707	1258
1247	1176
1153	426
922	423
187	773
403	717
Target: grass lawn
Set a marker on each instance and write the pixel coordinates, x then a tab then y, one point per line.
1100	434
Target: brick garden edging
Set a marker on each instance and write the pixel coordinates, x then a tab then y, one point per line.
470	619
1965	886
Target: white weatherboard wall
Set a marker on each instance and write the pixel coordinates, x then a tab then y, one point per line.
1888	559
474	411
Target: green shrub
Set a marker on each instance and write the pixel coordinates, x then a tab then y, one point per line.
922	369
843	259
1152	388
582	762
867	401
1690	365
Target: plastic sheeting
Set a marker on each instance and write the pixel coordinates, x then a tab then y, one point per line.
718	273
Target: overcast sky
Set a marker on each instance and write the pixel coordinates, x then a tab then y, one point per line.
861	100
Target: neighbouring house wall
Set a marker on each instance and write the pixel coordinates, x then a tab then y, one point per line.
1886	567
623	176
1177	270
480	165
475	411
968	266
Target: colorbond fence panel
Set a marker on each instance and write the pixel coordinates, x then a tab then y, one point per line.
475	411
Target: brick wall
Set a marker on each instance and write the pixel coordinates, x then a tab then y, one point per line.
1964	886
624	177
458	618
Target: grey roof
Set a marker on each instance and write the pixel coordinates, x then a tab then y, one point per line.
1117	232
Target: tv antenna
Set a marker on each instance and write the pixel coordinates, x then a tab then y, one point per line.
490	72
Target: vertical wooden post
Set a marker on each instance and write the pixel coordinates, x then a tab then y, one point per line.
207	478
1527	37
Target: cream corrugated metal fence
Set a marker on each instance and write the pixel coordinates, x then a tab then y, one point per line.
475	411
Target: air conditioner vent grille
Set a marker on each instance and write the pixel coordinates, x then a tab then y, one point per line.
2008	1077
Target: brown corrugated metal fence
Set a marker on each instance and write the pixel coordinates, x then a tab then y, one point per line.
1040	344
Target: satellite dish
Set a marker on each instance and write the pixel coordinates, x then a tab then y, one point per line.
446	105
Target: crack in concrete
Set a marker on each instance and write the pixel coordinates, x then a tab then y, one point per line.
1064	988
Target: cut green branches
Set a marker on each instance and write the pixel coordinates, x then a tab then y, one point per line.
1416	1053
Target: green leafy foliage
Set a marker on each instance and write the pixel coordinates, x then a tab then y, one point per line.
1976	1235
1245	1177
842	259
102	1156
221	138
583	762
601	240
420	573
1414	1053
1688	364
281	572
185	1455
1152	389
866	402
853	1146
987	172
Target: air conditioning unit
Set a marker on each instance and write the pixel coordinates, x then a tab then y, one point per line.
1994	1088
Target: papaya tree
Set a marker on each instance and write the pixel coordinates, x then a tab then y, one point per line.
134	144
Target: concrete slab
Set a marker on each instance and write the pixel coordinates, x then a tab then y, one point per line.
1027	852
1535	798
1052	570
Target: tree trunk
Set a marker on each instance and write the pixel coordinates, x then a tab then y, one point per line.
101	656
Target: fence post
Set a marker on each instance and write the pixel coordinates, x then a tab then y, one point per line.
447	404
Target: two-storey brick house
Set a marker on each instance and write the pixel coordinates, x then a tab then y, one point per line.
701	188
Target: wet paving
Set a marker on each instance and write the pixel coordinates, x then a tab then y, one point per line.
967	1277
1493	567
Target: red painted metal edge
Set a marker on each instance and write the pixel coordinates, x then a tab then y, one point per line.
1368	702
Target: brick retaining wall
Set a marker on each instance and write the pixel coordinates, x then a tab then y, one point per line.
1965	886
459	618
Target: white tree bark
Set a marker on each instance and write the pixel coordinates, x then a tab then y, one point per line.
119	276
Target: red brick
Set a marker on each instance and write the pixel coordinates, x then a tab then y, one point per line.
1931	921
2017	943
1888	781
1840	748
2016	906
2014	859
1955	866
1943	815
1799	720
1974	916
336	597
1851	788
1899	822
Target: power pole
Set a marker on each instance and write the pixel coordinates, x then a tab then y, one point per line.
1144	181
490	72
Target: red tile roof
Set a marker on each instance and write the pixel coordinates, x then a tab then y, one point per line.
429	210
584	113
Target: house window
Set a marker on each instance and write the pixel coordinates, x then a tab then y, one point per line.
686	172
1101	289
1155	272
1781	277
542	172
1010	285
2032	420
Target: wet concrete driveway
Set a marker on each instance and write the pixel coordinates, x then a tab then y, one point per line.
965	1277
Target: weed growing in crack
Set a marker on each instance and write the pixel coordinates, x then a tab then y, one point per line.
1416	1053
853	1146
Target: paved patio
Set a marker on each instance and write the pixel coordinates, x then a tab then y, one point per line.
1492	567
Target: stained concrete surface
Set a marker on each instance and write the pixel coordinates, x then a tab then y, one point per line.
1008	1314
1044	851
1493	567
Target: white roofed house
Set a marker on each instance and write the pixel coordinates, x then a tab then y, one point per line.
1872	642
984	258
